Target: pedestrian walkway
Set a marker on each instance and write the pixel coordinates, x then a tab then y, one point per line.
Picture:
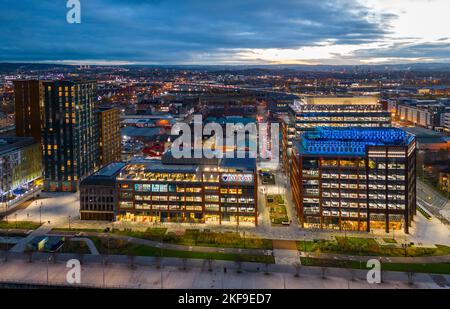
385	259
44	229
285	252
197	275
89	243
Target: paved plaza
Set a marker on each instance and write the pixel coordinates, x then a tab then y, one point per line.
197	276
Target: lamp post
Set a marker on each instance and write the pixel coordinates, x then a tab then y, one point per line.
15	218
48	259
69	223
40	213
161	268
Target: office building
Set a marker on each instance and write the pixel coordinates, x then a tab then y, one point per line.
312	112
98	194
222	192
29	103
69	133
20	170
424	113
355	178
110	142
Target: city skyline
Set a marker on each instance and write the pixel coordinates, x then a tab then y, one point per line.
335	32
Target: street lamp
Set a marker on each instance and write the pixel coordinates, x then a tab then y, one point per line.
48	259
161	268
40	213
69	223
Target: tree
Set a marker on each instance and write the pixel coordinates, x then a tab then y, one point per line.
184	261
266	266
297	267
238	264
210	264
131	261
158	261
352	274
80	257
324	272
411	276
54	256
29	253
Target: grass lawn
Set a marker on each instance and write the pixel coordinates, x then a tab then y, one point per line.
389	240
63	229
194	237
25	225
121	247
75	247
432	268
277	209
368	247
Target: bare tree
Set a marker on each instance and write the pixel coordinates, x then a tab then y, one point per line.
29	254
324	272
184	261
210	264
131	261
266	266
297	267
411	276
54	256
105	259
238	261
80	257
382	275
158	261
352	274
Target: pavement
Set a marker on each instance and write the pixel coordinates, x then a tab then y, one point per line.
21	245
141	272
55	207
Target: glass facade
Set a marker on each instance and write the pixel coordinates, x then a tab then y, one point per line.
69	134
372	186
202	195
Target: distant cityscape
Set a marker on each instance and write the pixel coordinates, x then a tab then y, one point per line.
363	151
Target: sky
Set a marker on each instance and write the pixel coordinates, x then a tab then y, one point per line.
226	32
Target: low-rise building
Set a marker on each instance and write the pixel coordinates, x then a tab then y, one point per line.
220	192
98	194
20	169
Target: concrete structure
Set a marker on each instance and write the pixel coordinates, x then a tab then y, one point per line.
355	179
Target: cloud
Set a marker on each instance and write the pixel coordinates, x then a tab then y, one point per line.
192	31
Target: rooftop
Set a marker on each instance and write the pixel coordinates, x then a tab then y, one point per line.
104	176
11	144
350	141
